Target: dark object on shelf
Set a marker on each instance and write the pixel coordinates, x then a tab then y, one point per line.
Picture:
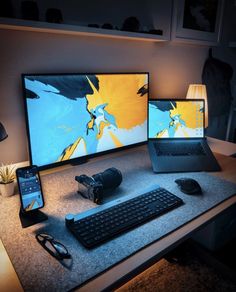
131	24
156	31
6	9
3	133
93	25
107	26
97	185
54	15
30	10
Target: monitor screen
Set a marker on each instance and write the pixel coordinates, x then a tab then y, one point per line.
176	119
76	115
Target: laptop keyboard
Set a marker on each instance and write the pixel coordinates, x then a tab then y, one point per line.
179	149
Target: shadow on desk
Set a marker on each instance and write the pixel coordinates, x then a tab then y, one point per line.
47	245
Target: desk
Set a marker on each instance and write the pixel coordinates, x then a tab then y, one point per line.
222	147
145	258
130	265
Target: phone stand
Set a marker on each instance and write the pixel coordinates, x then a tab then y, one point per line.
31	218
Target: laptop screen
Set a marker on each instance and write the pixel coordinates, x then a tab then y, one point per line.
176	119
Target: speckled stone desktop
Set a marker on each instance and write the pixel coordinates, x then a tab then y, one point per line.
38	270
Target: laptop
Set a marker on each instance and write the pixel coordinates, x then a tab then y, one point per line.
176	140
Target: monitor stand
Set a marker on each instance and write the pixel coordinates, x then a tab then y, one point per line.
78	161
32	217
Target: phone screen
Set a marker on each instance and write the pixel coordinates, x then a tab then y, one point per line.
30	188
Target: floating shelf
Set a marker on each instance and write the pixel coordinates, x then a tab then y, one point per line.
37	26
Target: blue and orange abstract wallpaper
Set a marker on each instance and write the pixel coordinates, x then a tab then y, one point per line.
70	116
176	119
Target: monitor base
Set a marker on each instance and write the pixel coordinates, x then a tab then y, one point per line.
79	161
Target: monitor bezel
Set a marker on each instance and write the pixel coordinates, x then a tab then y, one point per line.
84	158
177	99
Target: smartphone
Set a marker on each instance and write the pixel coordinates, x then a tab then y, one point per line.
30	188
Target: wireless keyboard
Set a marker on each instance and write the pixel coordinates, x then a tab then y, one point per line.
107	221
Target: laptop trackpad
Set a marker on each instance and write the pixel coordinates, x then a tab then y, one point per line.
180	163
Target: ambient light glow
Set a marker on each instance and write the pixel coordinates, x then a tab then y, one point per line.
75	115
198	91
176	119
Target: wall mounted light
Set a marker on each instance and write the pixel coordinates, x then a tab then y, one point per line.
198	91
3	133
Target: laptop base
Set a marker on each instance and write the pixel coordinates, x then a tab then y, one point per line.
185	163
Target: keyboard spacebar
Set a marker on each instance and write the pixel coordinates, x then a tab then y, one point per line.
131	223
124	226
91	241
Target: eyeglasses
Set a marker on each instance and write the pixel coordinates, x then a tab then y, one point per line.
55	248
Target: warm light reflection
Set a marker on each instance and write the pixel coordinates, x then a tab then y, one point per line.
198	91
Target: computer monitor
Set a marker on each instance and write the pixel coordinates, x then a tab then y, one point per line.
70	116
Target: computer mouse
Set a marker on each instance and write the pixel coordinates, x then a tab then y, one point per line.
188	186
